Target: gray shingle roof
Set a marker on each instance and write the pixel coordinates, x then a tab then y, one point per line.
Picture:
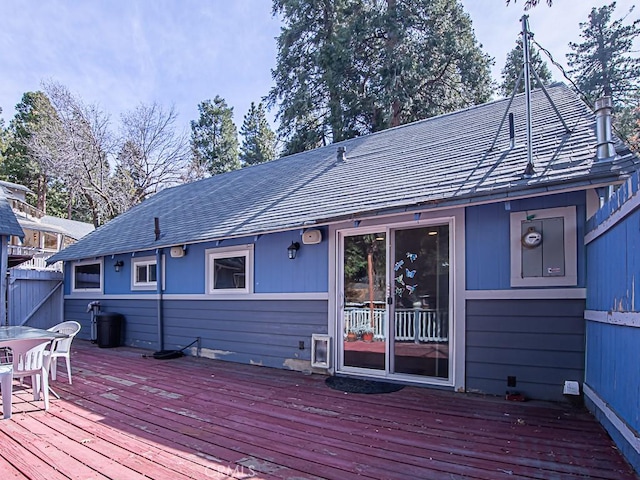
71	228
440	161
8	223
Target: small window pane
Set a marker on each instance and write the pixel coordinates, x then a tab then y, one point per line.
87	276
152	272
50	241
229	272
141	273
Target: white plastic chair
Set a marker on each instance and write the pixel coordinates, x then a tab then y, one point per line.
30	360
6	384
61	347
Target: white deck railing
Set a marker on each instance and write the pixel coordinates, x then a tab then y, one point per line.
417	324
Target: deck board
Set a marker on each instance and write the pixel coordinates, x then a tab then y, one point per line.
127	416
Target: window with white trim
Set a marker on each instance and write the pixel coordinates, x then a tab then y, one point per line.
229	269
143	273
544	248
86	276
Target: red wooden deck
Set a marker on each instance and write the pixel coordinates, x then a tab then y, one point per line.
130	417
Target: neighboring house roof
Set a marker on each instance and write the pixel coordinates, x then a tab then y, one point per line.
8	223
71	228
440	161
11	188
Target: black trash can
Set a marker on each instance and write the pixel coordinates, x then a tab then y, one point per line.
110	328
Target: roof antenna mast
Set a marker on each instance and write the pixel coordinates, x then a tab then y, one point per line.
525	75
528	172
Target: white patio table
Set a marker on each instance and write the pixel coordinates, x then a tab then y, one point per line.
29	337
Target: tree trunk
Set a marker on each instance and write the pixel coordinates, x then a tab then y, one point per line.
392	68
41	203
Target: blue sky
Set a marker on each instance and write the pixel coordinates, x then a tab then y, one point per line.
118	53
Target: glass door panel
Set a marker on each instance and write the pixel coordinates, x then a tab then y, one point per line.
364	311
421	301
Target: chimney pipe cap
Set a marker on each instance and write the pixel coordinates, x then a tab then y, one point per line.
604	102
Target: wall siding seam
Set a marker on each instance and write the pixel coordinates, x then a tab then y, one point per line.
190	297
616	217
619	424
527	294
623	319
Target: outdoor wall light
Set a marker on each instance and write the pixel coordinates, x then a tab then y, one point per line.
293	250
118	265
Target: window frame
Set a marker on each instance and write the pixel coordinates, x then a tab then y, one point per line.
147	261
570	278
213	254
74	265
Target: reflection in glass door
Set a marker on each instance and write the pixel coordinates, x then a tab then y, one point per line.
420	312
364	309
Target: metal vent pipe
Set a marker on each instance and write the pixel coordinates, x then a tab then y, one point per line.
606	148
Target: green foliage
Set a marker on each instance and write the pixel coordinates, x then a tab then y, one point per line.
514	65
603	61
20	165
350	67
214	137
258	140
625	124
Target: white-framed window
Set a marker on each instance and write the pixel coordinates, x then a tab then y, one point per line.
143	273
544	249
229	269
86	276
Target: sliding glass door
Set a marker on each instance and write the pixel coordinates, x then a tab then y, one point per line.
420	307
394	296
364	325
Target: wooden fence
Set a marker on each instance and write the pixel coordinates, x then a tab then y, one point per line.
612	317
34	298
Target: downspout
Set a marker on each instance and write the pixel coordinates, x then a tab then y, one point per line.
156	231
159	287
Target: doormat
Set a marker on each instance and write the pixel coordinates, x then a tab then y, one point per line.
357	385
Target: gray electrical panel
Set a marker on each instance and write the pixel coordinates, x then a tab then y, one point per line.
546	259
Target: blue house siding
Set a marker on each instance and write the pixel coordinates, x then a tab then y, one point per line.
273	271
612	377
488	239
540	342
262	332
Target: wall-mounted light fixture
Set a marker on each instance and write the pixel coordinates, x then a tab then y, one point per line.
118	265
293	250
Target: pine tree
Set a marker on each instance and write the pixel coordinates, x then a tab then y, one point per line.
214	138
514	65
19	165
258	140
602	62
350	67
